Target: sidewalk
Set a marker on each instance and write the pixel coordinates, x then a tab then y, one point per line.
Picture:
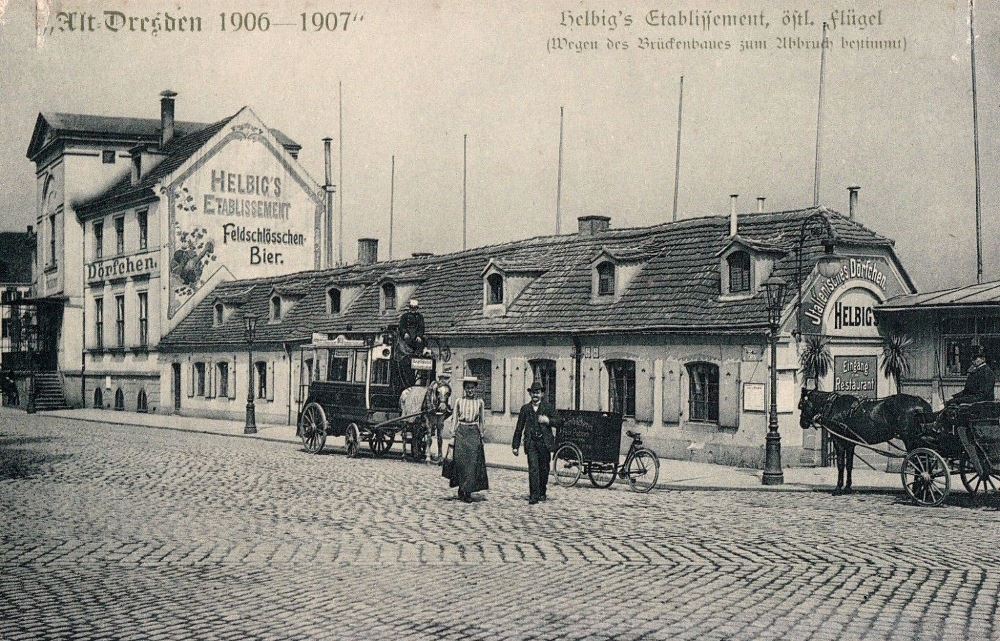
674	474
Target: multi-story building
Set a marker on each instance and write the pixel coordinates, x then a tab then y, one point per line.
138	219
16	250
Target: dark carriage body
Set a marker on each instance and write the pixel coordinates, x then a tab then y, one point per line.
598	435
940	431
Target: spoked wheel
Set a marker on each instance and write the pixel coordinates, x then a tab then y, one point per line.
352	440
973	482
312	427
926	477
567	465
602	474
643	471
380	442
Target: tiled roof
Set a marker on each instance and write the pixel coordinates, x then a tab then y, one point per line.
980	294
15	256
676	290
139	129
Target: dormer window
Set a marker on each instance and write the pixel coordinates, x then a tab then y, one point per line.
333	300
606	279
220	314
388	297
276	308
739	272
494	289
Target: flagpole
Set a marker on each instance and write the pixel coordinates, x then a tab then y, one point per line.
819	117
392	198
559	177
465	215
975	146
340	163
677	159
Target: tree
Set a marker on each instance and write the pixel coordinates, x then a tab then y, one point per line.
815	358
897	353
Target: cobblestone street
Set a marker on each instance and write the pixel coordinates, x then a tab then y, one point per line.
117	532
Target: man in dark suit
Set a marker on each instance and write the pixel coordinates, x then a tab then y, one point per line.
980	384
534	426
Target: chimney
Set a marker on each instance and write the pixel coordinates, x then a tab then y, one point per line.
367	251
760	204
853	207
732	214
328	188
591	225
422	254
166	117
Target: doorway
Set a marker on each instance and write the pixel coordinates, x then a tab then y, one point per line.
176	370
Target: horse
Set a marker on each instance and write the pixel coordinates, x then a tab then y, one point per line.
869	421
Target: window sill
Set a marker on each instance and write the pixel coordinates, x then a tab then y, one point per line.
51	267
736	296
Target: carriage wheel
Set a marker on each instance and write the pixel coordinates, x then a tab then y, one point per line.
312	427
926	477
567	465
643	471
602	474
973	482
380	442
352	440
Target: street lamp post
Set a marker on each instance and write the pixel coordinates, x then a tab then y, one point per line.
828	264
775	287
249	330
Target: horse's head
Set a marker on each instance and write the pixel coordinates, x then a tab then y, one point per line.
810	404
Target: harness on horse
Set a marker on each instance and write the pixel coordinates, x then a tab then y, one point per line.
844	432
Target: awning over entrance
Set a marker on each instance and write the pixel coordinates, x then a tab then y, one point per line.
978	295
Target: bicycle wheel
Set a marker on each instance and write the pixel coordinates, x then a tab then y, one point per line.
567	465
602	474
643	471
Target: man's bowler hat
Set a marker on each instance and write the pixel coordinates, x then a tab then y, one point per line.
536	387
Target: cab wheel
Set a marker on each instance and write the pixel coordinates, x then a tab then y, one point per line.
352	440
312	428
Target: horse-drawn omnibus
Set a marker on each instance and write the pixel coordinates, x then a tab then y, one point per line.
354	389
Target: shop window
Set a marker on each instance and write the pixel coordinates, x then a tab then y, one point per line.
98	239
99	398
262	382
119	400
143	319
388	297
141	402
962	335
142	217
739	272
544	371
333	299
276	308
108	156
220	314
120	320
99	323
606	279
494	289
199	379
222	378
120	235
703	393
482	368
621	387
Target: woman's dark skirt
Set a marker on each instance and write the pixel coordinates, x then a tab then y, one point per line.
470	461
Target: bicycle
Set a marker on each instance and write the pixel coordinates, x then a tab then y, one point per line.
640	469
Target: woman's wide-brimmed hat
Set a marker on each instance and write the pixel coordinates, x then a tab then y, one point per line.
470	380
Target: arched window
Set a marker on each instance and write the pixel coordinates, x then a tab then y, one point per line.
99	398
739	272
219	313
543	370
388	297
482	368
333	298
703	393
141	402
606	279
119	400
494	289
276	308
621	387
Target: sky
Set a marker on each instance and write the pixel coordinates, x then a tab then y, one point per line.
417	77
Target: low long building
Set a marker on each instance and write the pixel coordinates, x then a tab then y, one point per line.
665	324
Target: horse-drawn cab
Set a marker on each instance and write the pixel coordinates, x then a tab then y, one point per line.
354	390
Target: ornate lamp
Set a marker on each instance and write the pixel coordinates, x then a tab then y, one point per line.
775	288
249	333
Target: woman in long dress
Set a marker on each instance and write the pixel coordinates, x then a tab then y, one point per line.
469	474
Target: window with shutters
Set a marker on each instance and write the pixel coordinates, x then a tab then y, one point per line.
482	368
543	370
739	272
199	379
621	386
222	374
703	392
260	368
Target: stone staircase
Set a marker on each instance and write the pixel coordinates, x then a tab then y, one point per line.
49	392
